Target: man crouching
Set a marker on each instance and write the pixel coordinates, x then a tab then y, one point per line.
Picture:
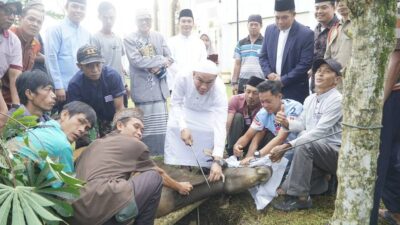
112	194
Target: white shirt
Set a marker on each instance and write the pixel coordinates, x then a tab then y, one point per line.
283	36
186	52
213	105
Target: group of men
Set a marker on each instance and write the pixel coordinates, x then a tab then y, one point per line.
271	113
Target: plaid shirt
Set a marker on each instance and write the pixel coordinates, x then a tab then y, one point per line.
320	36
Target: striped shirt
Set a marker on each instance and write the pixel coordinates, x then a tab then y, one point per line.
248	53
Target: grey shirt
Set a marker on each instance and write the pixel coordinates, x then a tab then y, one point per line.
145	52
321	116
112	50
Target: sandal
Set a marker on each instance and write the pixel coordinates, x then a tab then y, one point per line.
388	217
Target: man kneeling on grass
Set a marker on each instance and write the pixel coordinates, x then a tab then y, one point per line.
122	183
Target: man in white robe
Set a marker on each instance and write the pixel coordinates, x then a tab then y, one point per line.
186	48
197	120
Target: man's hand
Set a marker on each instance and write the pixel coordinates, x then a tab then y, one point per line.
184	188
215	173
278	151
280	117
61	96
238	150
246	161
273	76
186	136
154	70
235	89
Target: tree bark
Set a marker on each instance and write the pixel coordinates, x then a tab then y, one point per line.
373	24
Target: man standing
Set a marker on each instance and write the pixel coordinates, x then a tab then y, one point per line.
287	51
98	86
30	24
387	185
247	63
108	43
149	57
258	135
198	120
62	43
122	182
340	40
186	48
315	157
325	15
10	52
242	109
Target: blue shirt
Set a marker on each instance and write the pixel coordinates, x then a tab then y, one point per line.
98	94
62	43
265	120
248	53
52	140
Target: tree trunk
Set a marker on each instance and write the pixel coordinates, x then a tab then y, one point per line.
373	24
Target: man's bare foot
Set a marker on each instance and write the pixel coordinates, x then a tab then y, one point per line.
280	191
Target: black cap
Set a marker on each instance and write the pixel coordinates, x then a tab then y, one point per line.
284	5
255	18
186	13
254	81
89	54
78	1
319	1
333	64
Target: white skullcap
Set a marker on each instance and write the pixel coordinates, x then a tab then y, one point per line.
206	66
143	14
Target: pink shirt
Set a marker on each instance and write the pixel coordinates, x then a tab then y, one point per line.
10	52
238	104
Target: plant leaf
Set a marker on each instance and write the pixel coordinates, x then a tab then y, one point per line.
30	216
17	213
5	209
40	210
42	175
39	199
61	207
63	192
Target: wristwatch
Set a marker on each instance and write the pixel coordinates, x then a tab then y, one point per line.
220	162
257	154
234	83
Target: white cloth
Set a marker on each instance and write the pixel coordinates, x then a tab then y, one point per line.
204	115
186	52
265	192
283	36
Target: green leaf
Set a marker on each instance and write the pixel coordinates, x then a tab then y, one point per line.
61	207
42	201
3	162
18	113
26	141
70	180
4	196
42	175
30	170
17	213
63	192
39	209
30	215
5	209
